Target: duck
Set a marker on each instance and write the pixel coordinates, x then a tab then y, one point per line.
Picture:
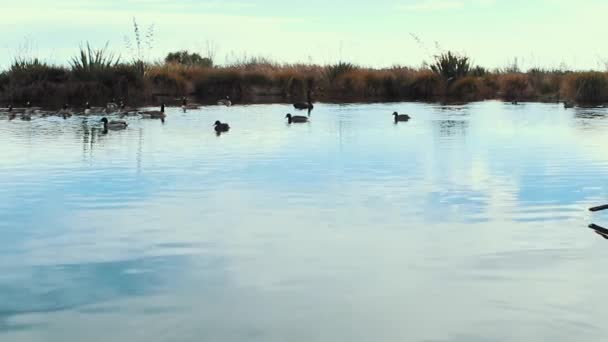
186	106
28	109
155	114
11	114
87	108
401	117
125	110
221	127
113	125
26	117
111	106
296	119
305	105
568	104
65	112
225	102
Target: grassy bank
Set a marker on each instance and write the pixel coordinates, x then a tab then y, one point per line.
96	76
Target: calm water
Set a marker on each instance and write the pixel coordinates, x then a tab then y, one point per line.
466	224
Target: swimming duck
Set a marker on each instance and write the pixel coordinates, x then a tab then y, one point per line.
111	106
296	119
65	112
11	114
155	114
87	108
26	117
125	110
305	105
113	125
221	127
28	109
401	117
568	104
225	102
186	106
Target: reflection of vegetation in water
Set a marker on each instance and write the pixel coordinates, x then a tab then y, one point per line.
448	128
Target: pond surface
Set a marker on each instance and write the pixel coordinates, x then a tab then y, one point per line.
467	223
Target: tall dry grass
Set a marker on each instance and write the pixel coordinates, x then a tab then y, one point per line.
96	76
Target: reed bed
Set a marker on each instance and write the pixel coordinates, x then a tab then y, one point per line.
95	75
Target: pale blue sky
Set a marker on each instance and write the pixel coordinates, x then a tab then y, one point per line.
545	33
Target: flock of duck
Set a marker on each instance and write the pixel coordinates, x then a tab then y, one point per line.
119	108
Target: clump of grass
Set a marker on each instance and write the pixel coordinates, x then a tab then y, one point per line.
587	87
335	71
466	89
514	86
91	64
33	70
451	66
426	85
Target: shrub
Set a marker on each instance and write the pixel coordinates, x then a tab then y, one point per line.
189	59
466	88
451	66
31	71
92	64
333	72
587	87
425	86
514	86
478	71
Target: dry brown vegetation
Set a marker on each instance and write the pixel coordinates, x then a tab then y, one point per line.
450	78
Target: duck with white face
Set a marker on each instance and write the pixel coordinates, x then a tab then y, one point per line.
65	111
225	102
87	108
154	114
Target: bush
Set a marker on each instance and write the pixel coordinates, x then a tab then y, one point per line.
93	64
31	71
514	86
189	59
466	89
425	86
587	88
333	72
451	66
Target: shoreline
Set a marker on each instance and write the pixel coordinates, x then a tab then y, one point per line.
177	104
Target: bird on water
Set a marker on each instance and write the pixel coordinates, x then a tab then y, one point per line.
401	117
296	118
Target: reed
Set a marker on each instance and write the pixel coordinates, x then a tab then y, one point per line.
98	75
586	88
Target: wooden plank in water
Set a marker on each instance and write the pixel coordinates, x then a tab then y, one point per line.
601	207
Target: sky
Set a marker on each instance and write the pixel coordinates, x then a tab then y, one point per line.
379	33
